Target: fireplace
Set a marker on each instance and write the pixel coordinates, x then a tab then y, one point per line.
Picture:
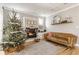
31	32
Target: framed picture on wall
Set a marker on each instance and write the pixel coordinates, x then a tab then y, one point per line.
60	20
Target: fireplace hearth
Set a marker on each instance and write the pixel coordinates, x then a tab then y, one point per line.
31	32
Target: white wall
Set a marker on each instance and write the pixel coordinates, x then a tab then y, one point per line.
71	27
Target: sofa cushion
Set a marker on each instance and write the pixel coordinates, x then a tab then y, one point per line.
58	40
62	38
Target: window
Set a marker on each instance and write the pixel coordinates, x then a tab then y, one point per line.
41	21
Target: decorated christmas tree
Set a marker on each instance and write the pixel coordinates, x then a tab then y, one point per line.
14	29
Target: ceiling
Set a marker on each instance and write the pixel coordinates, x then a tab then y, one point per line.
39	8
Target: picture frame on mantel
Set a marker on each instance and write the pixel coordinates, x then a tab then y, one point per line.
61	20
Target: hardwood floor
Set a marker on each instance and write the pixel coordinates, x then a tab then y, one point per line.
69	51
46	48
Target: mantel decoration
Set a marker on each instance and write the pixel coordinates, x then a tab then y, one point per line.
59	20
13	31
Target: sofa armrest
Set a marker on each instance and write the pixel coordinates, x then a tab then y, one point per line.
72	40
45	36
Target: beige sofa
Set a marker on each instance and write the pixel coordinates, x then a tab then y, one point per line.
66	39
